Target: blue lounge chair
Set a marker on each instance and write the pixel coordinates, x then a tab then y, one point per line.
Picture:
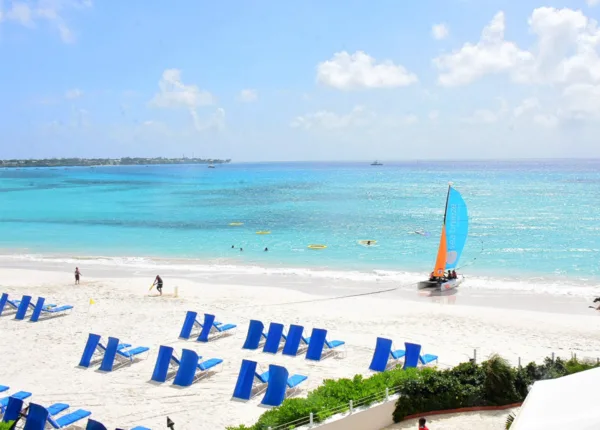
383	352
125	356
23	306
48	310
190	324
248	379
38	417
165	362
210	327
318	341
3	388
94	425
140	428
413	356
189	365
12	410
94	347
6	302
279	383
295	340
255	335
274	338
19	395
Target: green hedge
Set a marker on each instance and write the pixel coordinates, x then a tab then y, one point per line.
6	426
492	383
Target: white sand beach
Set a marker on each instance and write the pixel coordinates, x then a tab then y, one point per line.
42	357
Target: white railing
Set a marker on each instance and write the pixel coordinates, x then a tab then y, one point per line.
350	407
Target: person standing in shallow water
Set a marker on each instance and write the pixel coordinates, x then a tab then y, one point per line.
77	275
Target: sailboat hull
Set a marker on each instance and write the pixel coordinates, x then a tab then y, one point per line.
440	285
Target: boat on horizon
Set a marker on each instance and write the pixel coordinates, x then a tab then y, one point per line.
452	242
211	166
376	163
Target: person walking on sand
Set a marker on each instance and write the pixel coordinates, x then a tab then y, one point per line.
422	425
77	275
159	284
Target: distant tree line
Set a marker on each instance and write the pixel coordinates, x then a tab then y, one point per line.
126	161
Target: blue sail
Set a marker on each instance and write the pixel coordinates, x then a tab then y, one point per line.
457	228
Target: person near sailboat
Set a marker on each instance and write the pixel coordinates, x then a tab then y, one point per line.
452	242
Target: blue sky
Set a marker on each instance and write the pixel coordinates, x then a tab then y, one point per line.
311	80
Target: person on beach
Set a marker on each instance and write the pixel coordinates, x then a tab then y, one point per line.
77	275
422	425
159	284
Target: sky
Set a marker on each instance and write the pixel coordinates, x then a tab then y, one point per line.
260	80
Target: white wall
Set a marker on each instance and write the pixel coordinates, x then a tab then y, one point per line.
373	418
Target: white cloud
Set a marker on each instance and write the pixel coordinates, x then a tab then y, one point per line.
440	31
28	12
173	93
528	105
592	3
248	95
492	54
565	52
215	122
434	115
73	94
358	117
581	102
354	71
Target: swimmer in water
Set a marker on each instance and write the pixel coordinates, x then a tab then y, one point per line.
368	242
266	249
232	246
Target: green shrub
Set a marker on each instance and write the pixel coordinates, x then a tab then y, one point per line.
6	426
493	382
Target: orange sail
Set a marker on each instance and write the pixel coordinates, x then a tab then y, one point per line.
440	262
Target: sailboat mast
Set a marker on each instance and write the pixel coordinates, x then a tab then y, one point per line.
447	197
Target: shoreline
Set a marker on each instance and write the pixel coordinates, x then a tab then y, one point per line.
451	327
477	289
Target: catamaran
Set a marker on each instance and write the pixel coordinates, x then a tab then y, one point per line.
452	242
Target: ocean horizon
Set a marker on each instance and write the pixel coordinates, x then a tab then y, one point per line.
533	219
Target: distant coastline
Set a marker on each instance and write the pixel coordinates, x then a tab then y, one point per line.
89	162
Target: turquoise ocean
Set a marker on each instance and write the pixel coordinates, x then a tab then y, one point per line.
530	219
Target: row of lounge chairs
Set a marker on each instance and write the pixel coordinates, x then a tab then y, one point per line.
252	380
38	417
294	342
385	356
39	311
209	329
113	354
187	370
